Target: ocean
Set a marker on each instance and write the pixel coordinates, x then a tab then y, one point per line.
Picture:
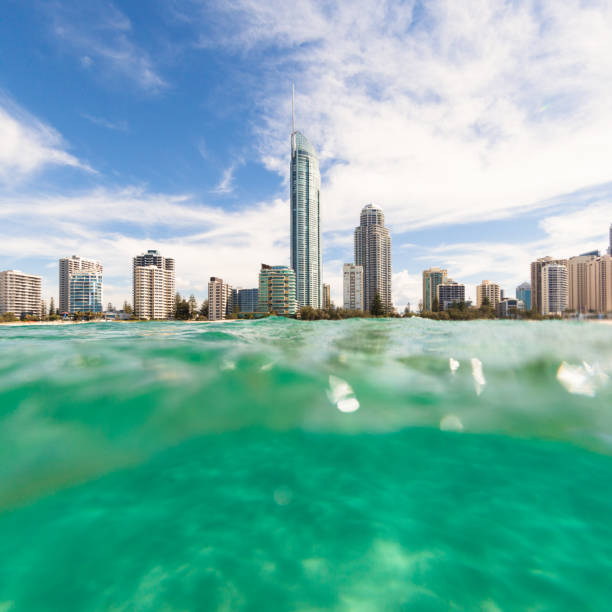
381	464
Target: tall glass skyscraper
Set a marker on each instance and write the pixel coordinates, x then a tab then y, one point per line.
305	181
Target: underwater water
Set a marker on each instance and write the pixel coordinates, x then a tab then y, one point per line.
284	465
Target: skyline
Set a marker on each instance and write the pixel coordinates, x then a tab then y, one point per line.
481	167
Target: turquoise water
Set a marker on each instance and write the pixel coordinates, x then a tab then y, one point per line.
283	465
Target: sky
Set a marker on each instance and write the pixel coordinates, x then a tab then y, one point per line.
482	128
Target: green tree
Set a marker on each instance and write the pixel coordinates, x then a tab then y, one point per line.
127	308
435	305
51	307
204	309
181	309
377	309
193	306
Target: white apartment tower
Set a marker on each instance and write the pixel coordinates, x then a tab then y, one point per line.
554	289
72	265
353	286
153	286
219	299
20	293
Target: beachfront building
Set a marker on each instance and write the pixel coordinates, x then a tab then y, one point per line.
352	280
373	254
599	285
305	230
73	265
20	293
449	293
153	286
523	293
220	303
554	281
578	276
509	307
432	277
489	292
536	279
85	292
277	290
326	296
245	300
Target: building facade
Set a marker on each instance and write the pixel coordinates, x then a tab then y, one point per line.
305	231
326	296
245	300
489	291
554	289
523	293
72	265
373	254
220	303
599	285
85	292
431	279
352	284
449	293
509	307
277	290
153	286
536	279
578	277
20	293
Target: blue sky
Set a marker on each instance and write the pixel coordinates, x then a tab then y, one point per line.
482	129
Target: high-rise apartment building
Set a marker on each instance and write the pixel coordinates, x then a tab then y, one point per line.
220	304
449	293
523	293
599	285
277	290
245	300
305	188
373	253
431	279
489	291
554	280
68	266
20	293
610	241
153	286
85	292
578	276
326	296
352	280
536	279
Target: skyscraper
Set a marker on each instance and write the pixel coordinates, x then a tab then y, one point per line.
431	279
523	293
599	283
219	299
305	187
489	291
578	276
610	241
277	290
68	266
536	279
449	293
20	293
373	253
554	289
85	292
153	286
245	300
326	296
352	276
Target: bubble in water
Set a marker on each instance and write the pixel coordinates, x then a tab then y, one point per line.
453	364
581	379
451	423
283	496
341	394
479	379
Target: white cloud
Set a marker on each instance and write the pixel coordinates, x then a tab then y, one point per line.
120	126
101	36
226	184
463	112
27	144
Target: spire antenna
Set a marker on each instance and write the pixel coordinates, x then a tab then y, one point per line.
292	108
